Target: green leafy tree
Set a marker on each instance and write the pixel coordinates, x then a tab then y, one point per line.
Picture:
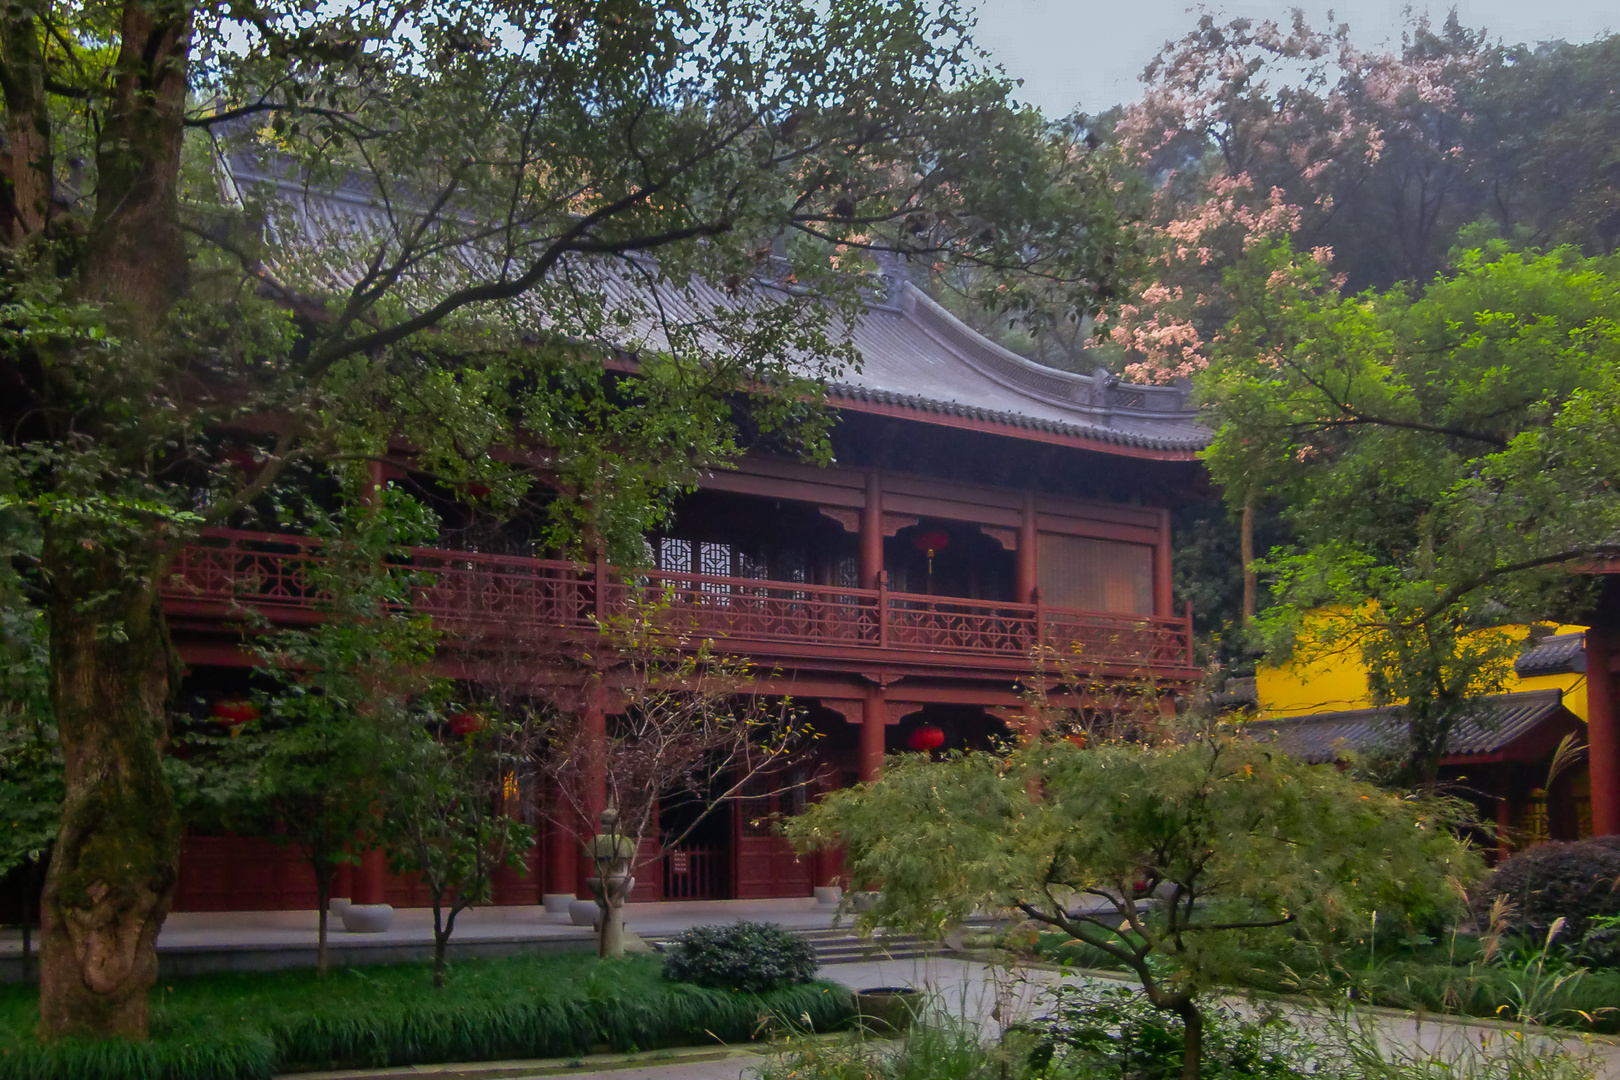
535	189
1184	857
1541	140
31	781
448	814
307	773
1444	460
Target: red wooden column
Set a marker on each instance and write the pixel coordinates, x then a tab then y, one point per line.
1163	583
874	721
1026	571
344	885
872	531
562	848
1603	729
370	878
596	793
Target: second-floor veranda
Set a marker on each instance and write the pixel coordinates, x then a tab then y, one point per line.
228	577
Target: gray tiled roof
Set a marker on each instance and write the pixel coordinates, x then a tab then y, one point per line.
1492	724
1557	655
917	354
914	353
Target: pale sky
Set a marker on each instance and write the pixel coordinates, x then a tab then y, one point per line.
1090	52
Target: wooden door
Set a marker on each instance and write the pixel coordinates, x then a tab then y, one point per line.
763	864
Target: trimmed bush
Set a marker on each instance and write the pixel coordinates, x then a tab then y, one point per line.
254	1026
1102	1031
1575	881
740	956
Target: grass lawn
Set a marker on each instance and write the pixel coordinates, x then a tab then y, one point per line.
250	1026
1450	975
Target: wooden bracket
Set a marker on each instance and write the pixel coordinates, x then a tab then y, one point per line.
851	711
898	710
849	519
893	523
1007	538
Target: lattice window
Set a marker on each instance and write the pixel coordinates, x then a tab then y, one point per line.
714	560
791	566
751	565
674	556
847	572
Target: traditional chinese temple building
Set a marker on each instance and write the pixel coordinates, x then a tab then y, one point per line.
980	505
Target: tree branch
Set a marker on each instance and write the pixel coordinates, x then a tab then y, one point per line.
1284	921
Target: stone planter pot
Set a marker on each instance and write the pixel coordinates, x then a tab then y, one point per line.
583	912
887	1008
556	903
827	895
367	918
336	905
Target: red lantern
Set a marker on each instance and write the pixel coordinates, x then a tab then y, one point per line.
465	723
475	489
931	541
234	711
926	738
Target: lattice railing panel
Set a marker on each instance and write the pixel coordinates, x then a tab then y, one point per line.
467	591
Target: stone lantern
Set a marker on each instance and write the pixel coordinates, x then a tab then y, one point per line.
612	851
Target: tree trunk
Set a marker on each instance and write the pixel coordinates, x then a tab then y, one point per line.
610	939
113	871
325	871
135	258
1251	584
1192	1037
112	878
29	892
27	166
442	929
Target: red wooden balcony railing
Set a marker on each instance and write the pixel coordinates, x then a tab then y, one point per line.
468	592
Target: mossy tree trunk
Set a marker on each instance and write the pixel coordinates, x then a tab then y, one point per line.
112	874
113	871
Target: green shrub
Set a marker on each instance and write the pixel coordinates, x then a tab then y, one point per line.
1600	945
740	956
1576	881
1114	1031
253	1026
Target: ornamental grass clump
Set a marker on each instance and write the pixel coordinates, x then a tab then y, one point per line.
252	1026
748	956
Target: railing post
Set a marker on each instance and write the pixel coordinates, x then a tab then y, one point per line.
1039	629
601	587
883	608
1191	658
